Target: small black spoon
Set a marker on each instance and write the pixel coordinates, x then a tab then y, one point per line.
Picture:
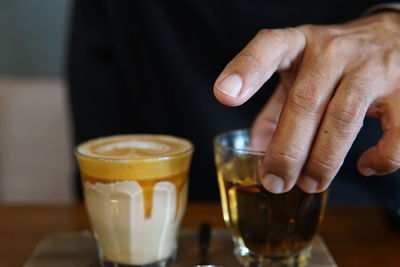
204	236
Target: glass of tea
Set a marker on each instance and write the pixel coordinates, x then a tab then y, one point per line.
267	229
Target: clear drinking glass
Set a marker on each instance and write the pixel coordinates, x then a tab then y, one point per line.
267	229
135	189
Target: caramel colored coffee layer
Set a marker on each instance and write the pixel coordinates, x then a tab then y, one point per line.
147	187
134	157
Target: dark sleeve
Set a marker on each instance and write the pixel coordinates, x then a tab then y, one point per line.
394	6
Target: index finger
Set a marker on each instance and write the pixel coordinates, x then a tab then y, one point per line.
267	52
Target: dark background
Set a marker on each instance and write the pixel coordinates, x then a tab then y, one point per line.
149	67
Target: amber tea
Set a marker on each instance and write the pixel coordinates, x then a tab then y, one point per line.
267	229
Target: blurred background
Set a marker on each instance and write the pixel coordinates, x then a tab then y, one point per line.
36	162
35	130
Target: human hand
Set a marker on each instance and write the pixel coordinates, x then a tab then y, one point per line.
331	78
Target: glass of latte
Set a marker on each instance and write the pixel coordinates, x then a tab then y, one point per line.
267	229
135	190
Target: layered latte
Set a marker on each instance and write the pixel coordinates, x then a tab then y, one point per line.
135	189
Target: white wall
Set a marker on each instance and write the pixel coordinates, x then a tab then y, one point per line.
35	141
35	134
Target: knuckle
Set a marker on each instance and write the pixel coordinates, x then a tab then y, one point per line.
286	157
386	21
264	32
347	113
308	27
390	159
339	45
304	100
358	89
391	58
325	169
294	31
335	43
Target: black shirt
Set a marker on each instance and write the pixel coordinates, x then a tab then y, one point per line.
149	67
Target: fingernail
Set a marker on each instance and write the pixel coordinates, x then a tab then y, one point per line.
273	183
231	85
367	171
309	184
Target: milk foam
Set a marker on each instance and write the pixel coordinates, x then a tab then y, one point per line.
134	146
152	147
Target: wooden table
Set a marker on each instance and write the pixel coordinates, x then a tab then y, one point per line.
356	236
